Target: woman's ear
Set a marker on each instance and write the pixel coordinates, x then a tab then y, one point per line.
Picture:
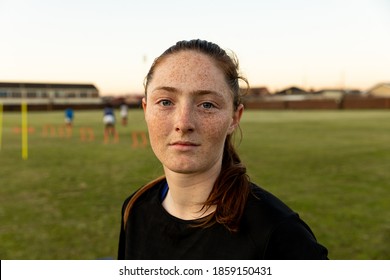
144	103
236	118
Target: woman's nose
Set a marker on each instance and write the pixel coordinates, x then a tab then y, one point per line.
185	121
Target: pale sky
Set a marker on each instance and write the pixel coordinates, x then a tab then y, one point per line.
112	43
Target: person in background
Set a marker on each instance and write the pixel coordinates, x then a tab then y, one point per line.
109	124
124	113
204	206
69	116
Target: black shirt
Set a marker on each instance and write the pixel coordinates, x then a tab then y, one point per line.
268	230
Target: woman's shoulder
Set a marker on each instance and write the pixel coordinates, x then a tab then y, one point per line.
283	233
263	201
264	212
147	196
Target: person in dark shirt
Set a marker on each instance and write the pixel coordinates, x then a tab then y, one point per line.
204	206
69	116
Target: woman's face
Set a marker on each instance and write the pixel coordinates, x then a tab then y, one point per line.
189	112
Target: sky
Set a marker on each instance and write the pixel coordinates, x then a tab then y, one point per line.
112	43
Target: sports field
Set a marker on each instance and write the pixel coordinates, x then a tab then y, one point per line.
64	201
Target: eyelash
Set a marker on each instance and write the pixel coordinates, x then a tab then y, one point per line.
161	102
166	103
208	103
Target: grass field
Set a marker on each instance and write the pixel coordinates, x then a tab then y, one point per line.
64	201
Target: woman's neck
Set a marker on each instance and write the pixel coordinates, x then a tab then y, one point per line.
188	192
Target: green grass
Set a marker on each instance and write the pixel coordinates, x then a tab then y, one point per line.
64	201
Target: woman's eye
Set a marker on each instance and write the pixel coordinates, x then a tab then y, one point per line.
165	103
207	105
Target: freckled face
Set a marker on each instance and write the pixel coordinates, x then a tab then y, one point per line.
189	112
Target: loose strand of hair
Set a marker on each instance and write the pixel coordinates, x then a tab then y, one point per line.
137	195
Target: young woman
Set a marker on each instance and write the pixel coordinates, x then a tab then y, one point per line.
205	206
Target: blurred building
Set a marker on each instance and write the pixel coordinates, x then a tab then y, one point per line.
292	91
49	94
337	94
380	90
258	92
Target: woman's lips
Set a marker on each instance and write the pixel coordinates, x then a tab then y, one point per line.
184	145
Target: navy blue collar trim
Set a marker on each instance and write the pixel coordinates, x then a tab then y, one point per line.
164	192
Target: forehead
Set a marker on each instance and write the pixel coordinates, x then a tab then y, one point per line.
189	69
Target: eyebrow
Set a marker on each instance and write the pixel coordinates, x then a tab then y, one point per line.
197	92
169	89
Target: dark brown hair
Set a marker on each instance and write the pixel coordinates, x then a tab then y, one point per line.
231	188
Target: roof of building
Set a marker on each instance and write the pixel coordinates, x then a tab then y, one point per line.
385	85
291	90
46	85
